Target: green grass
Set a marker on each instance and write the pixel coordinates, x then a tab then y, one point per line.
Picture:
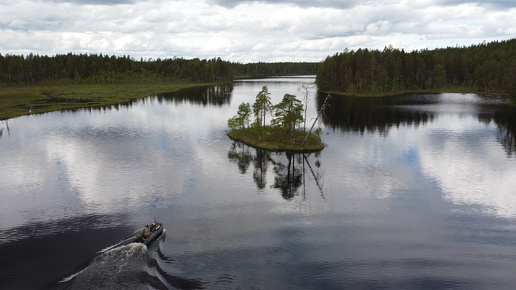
276	139
36	99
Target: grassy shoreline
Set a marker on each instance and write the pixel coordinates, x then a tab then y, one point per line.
274	139
19	100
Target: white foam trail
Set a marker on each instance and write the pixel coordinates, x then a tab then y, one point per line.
69	278
124	242
108	248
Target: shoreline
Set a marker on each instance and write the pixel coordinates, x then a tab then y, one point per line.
450	90
271	141
21	100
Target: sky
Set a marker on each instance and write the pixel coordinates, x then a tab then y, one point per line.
248	31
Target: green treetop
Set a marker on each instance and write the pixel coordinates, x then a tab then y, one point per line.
283	133
288	114
241	120
262	106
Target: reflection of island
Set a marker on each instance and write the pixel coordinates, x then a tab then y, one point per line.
289	169
288	176
263	157
239	153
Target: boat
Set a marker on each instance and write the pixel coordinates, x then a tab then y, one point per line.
155	229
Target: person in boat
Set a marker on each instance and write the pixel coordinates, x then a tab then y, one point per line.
145	233
153	227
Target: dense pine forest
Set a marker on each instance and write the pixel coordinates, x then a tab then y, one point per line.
101	69
263	69
486	68
104	69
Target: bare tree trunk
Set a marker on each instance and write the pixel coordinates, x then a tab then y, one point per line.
306	87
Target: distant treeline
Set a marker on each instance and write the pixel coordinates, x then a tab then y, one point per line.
98	68
488	68
261	69
93	68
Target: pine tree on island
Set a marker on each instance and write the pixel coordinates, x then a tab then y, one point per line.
284	133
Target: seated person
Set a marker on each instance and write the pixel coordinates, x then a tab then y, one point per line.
145	233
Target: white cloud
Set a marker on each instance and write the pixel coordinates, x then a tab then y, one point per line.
247	30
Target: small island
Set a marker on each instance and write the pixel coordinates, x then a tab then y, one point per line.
284	133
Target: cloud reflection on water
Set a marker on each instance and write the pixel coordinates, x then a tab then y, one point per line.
392	193
469	165
457	146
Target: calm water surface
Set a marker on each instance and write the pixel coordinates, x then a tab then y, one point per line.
411	192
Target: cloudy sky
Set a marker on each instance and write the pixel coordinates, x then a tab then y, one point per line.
247	31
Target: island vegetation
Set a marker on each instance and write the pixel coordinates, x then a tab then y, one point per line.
284	133
487	68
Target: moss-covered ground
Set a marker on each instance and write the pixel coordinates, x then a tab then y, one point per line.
276	139
22	100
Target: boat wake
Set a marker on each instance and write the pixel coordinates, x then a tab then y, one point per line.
127	266
122	267
125	242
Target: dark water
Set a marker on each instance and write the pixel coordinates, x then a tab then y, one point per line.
411	192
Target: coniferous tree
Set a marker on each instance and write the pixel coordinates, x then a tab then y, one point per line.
262	106
288	114
489	68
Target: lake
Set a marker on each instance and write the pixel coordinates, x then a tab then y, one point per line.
410	192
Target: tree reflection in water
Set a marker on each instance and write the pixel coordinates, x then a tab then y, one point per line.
289	175
356	114
263	157
239	153
506	122
288	178
216	95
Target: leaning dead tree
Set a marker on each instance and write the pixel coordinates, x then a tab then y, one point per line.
321	111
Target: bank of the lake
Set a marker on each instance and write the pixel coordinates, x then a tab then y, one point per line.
22	100
275	139
447	90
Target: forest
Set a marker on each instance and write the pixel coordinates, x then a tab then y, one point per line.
103	69
484	68
264	69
